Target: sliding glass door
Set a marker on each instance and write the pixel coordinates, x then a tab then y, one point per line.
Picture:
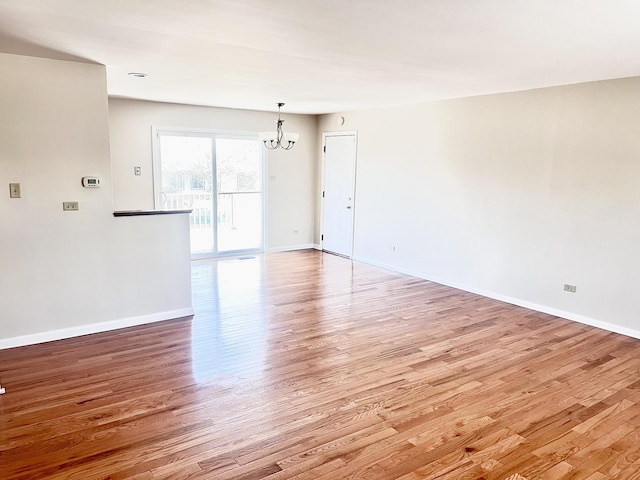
220	178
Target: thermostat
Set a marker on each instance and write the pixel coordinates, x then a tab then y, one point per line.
90	182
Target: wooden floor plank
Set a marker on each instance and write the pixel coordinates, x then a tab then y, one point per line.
304	365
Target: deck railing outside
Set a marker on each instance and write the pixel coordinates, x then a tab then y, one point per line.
239	219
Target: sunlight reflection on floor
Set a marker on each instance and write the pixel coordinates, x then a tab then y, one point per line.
229	289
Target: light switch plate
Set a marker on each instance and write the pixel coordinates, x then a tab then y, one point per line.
14	190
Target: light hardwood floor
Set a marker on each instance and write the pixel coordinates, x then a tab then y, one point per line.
303	365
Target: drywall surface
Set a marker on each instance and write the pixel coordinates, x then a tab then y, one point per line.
63	273
290	175
510	195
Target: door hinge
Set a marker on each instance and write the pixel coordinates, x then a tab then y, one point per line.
322	237
324	149
322	193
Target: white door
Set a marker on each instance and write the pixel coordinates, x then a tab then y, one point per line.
339	193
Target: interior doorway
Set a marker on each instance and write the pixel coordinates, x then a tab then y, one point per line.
338	192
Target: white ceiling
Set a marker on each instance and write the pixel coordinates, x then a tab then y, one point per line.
323	56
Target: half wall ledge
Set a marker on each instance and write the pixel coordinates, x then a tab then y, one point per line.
137	213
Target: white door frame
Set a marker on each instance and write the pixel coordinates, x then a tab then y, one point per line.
345	133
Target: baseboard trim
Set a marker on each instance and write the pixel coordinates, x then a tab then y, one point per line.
80	330
608	326
291	248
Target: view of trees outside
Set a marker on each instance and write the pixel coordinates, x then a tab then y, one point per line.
187	163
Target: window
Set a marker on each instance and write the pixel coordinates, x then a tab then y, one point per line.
197	181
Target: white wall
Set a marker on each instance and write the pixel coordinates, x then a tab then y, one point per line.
69	273
509	195
291	181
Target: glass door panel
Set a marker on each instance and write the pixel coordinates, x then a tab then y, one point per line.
187	184
239	194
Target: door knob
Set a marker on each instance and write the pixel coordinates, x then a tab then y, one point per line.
348	206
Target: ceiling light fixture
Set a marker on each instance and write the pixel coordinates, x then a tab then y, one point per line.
273	140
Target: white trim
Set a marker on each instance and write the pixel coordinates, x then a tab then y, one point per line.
156	167
80	330
205	132
291	248
608	326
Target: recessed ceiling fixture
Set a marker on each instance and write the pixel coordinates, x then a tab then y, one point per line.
138	74
273	140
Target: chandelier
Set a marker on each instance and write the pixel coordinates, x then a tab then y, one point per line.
273	140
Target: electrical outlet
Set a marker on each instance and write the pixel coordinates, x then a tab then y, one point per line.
14	190
70	206
137	171
569	288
